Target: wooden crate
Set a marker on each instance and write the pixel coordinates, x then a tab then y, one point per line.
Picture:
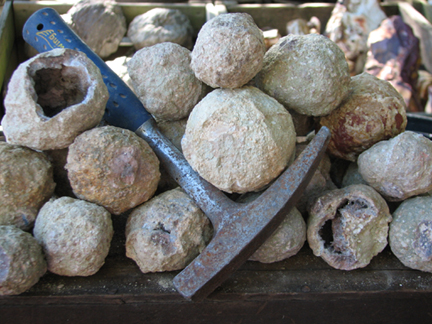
302	289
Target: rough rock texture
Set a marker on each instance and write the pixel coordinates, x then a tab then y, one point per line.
285	241
119	66
167	232
300	72
347	227
352	176
400	167
160	25
112	167
239	140
52	98
164	81
26	183
229	51
99	23
371	9
75	236
410	235
22	262
372	112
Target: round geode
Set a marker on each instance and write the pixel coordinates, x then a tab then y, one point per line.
160	25
229	51
400	167
239	140
75	236
347	227
26	183
410	235
99	23
285	241
22	262
52	98
164	82
373	111
112	167
167	232
306	73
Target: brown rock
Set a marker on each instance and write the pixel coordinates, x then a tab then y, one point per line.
75	236
52	98
373	111
22	262
112	167
229	51
26	179
347	227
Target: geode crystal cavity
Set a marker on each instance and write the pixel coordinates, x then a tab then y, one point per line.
167	232
410	235
75	236
52	98
239	140
112	167
229	51
400	167
160	25
347	227
164	81
26	183
22	262
306	73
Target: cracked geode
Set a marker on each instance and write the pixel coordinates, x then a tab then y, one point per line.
167	232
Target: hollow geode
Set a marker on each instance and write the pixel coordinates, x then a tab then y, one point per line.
52	98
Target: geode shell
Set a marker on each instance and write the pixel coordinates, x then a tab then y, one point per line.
22	262
410	235
229	51
112	167
26	183
52	98
306	73
75	236
160	25
239	140
167	232
373	111
347	227
164	81
400	167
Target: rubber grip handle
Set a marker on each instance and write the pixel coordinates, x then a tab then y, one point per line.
46	30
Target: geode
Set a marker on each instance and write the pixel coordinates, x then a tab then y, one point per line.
373	111
347	227
167	232
400	167
52	98
112	167
306	73
22	262
75	236
160	25
164	81
410	235
229	51
27	182
99	23
239	140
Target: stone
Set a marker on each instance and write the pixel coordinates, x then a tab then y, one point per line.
26	183
167	232
239	140
112	167
300	72
75	236
229	51
22	261
52	98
